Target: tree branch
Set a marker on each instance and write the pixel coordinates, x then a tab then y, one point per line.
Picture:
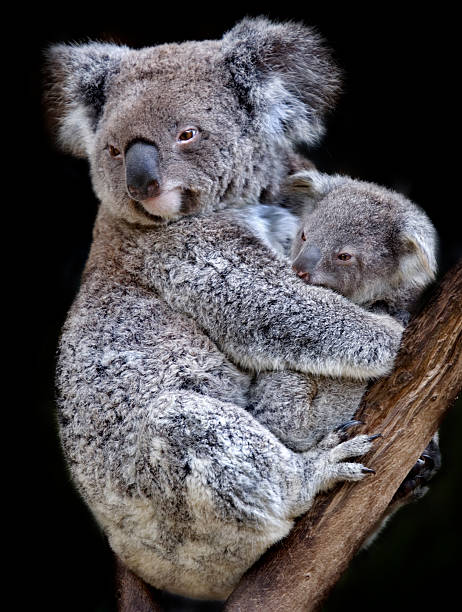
407	408
132	594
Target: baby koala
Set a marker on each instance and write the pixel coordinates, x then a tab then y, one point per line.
371	245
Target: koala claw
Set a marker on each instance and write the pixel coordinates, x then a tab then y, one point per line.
366	470
344	426
379	435
424	469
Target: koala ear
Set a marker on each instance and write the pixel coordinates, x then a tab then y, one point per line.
77	77
302	190
420	243
313	183
284	74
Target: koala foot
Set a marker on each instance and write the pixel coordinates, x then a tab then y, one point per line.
326	464
334	449
413	486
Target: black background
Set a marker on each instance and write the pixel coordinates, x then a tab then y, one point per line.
394	125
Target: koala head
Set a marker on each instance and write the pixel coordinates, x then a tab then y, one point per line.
177	129
363	241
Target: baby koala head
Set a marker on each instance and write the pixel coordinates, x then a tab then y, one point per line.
361	240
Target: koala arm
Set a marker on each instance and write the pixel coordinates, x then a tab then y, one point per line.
257	311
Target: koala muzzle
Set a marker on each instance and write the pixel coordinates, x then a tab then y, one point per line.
142	171
306	261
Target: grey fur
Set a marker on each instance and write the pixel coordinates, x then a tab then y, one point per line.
394	246
182	301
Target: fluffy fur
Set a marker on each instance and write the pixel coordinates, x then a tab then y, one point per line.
179	307
393	246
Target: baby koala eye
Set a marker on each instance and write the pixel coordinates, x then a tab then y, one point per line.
113	151
187	135
344	256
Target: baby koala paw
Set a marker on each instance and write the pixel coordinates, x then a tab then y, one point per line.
334	449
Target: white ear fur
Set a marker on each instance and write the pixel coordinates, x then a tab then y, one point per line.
283	74
418	264
78	76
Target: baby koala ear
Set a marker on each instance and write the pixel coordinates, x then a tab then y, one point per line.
75	95
284	76
418	264
302	190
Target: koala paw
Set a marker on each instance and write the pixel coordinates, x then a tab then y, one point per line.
334	450
413	486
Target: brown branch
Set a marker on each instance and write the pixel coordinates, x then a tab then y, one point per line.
407	408
132	594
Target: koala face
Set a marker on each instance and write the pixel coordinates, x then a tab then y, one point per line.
161	149
364	242
184	128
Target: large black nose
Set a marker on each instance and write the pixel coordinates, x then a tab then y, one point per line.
142	170
306	261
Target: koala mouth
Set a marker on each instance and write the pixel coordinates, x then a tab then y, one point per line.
142	211
169	204
166	205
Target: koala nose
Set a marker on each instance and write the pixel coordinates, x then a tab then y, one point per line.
306	261
142	171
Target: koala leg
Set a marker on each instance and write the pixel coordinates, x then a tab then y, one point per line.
300	409
282	402
223	455
217	489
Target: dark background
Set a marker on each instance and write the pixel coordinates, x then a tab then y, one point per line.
394	125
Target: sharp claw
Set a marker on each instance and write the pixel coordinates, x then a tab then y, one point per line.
348	424
428	458
367	471
374	437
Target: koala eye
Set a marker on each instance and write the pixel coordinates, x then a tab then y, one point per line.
344	256
187	135
303	237
113	151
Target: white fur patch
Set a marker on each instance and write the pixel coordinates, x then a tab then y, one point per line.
166	205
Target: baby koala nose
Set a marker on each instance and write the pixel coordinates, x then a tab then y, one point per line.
302	274
306	261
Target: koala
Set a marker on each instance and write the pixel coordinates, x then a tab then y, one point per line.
371	245
181	302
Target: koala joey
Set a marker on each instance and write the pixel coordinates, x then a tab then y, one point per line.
181	301
371	245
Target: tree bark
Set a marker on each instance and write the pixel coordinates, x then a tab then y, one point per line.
406	407
132	594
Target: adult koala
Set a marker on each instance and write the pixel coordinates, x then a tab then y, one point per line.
180	300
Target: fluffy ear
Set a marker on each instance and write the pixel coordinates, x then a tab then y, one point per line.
313	183
420	244
283	72
76	93
302	190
